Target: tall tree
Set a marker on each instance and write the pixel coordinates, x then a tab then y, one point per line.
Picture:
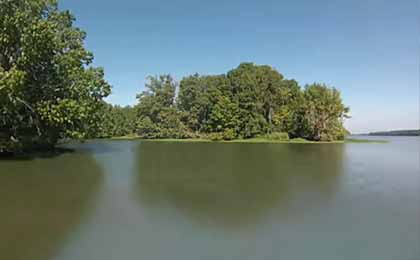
194	100
48	91
286	107
322	113
158	116
197	97
224	118
256	89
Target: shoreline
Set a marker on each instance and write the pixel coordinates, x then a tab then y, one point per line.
60	149
247	141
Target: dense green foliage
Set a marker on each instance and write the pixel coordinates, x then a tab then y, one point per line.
157	114
247	102
48	91
322	114
115	121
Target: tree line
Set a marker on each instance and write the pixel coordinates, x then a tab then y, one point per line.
248	101
50	92
397	133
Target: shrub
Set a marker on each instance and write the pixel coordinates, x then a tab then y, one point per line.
216	136
229	134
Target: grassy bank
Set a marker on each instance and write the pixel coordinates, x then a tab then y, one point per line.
260	140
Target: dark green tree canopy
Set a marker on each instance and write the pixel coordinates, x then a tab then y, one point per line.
48	91
197	97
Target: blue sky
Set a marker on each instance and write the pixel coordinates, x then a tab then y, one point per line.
366	48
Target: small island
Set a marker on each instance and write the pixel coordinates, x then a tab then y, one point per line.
251	103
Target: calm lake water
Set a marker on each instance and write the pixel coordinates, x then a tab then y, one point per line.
128	200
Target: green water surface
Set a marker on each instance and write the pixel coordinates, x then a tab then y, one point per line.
126	200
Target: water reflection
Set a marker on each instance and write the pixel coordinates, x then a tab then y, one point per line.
236	185
42	201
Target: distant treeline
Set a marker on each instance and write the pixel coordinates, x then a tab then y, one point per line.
248	101
49	92
397	133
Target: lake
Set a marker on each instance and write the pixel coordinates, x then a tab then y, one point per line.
186	201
